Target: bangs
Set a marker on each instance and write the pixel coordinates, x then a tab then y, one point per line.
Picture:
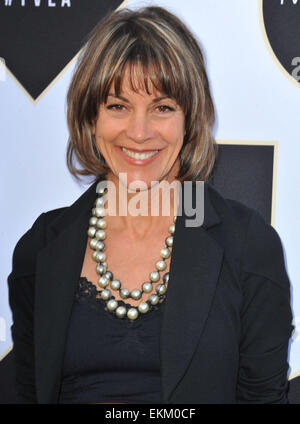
149	71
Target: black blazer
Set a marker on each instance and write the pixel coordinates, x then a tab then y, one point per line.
227	318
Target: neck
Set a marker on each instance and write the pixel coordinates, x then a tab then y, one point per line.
144	212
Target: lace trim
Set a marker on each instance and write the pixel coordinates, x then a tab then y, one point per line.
88	293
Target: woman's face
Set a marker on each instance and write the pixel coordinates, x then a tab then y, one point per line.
140	134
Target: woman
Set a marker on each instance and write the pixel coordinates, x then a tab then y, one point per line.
114	306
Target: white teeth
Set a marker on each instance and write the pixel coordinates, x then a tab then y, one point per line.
140	156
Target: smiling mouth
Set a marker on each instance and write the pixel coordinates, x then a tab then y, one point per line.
140	156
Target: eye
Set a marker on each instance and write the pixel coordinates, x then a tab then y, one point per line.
116	107
165	108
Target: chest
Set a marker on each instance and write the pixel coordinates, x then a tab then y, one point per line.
130	261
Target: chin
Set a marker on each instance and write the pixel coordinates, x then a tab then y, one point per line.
138	180
139	184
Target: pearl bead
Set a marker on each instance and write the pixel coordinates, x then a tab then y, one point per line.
99	256
154	299
105	294
101	223
161	265
100	245
101	187
112	304
172	228
135	294
115	284
166	278
169	241
147	287
94	255
100	235
93	243
161	289
101	269
154	276
93	221
109	275
121	311
103	281
124	293
132	313
100	212
92	231
165	253
100	202
143	307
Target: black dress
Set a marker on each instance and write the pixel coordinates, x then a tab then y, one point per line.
108	359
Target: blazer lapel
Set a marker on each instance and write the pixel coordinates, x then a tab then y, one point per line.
58	269
194	270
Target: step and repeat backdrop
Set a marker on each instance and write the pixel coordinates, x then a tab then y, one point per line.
252	52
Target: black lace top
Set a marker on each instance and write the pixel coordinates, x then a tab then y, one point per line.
108	359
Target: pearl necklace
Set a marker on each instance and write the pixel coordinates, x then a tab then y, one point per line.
97	233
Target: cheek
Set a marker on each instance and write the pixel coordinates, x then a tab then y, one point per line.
105	131
175	134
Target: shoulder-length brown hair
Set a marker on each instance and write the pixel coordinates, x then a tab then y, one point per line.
171	59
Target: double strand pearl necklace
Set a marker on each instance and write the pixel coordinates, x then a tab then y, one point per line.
106	280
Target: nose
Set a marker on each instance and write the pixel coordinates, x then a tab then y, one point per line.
139	127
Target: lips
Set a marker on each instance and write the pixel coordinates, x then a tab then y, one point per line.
143	157
139	151
139	155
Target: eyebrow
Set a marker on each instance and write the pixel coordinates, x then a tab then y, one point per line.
156	100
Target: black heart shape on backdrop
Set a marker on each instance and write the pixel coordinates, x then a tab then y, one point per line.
37	42
282	25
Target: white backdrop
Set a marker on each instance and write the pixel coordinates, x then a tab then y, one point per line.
254	99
